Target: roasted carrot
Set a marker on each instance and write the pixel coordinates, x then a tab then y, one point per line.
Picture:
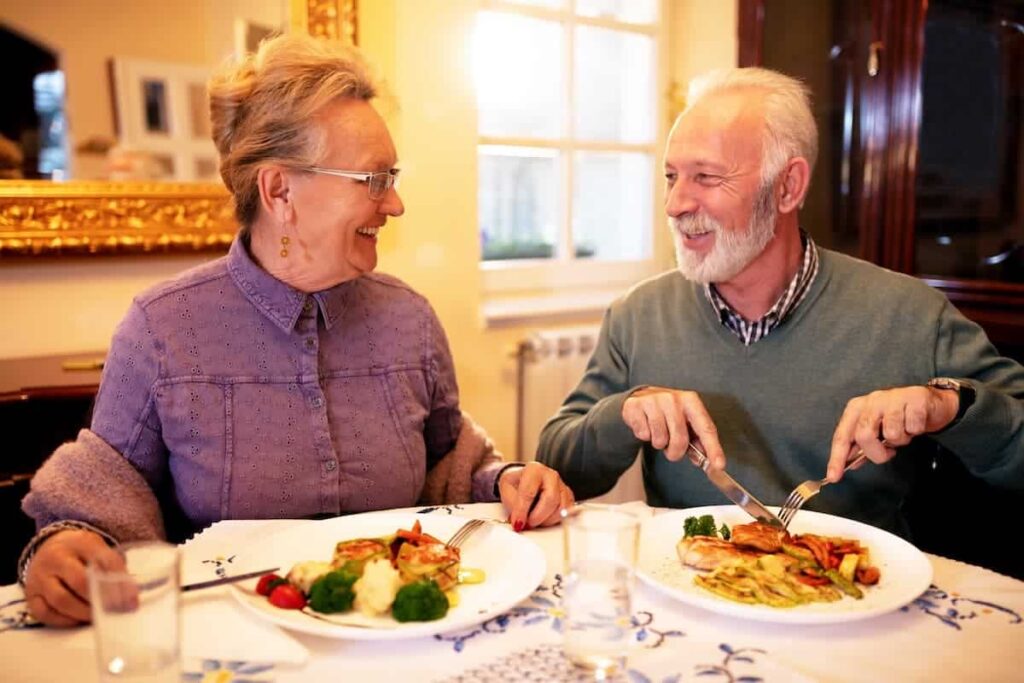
868	576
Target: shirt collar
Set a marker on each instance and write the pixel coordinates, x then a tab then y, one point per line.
750	331
279	302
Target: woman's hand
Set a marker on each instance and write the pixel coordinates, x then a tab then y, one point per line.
56	590
534	496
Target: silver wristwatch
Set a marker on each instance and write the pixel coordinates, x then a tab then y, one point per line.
965	392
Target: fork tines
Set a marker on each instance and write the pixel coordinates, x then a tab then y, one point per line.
793	503
464	532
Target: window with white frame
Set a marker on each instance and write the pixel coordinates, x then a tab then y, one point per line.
568	122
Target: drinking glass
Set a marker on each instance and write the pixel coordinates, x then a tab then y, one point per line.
136	614
600	557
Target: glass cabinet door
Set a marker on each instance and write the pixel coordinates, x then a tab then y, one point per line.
969	194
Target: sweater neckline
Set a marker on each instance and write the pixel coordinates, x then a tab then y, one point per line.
730	342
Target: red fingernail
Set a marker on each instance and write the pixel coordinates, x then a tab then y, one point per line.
527	527
518	526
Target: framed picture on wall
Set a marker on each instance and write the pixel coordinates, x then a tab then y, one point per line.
162	122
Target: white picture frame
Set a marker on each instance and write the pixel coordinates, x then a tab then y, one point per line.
162	122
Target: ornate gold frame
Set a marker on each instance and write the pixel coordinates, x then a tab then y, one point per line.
94	217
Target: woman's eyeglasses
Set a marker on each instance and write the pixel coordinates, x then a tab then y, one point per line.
378	183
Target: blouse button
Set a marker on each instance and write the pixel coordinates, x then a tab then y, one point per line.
331	465
316	401
310	343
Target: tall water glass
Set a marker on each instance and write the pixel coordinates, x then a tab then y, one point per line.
600	556
136	615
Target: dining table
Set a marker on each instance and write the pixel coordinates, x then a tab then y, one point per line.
966	625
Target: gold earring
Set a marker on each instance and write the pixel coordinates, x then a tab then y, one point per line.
284	246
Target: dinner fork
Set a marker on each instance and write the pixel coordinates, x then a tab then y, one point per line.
464	532
807	490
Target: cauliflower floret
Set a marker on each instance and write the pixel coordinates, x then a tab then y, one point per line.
377	588
304	574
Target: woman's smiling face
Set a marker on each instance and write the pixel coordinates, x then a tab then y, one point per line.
335	222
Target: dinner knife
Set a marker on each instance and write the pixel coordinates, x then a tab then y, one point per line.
225	580
732	489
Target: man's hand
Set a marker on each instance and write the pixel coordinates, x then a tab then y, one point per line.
56	591
882	420
534	496
667	417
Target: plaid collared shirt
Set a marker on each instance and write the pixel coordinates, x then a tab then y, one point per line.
750	331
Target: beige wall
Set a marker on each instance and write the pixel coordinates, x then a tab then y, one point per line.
421	48
702	36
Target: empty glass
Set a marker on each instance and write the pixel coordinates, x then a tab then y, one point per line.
135	614
600	554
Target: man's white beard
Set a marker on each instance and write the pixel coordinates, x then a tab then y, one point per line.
733	250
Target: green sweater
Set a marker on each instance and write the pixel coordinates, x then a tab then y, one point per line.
777	402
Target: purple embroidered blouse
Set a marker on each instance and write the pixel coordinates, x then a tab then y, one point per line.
250	399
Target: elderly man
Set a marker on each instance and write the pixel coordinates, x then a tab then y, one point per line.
784	356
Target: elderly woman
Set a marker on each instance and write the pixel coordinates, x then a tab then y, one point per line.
285	379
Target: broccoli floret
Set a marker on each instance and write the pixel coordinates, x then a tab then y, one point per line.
724	531
333	592
699	526
420	601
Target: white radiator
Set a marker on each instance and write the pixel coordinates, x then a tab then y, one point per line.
550	365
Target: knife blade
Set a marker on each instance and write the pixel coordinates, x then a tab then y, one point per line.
732	489
225	580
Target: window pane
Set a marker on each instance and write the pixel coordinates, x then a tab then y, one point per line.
519	75
615	74
612	204
633	11
519	202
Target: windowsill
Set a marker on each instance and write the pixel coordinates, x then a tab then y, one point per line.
561	307
539	291
507	278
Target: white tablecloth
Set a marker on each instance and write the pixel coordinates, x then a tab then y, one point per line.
968	626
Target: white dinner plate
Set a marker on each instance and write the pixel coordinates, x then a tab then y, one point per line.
905	572
514	567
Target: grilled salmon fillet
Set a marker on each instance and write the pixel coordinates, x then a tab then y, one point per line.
758	536
706	552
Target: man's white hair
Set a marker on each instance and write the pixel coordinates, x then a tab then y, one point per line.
790	130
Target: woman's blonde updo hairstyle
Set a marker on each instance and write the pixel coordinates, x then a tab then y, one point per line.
263	110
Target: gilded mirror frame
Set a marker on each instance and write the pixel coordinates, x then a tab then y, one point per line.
43	218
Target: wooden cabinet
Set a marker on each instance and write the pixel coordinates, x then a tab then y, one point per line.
43	403
922	158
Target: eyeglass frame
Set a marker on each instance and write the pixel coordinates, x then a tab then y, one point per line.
362	176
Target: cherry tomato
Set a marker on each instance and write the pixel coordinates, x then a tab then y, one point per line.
287	596
267	583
